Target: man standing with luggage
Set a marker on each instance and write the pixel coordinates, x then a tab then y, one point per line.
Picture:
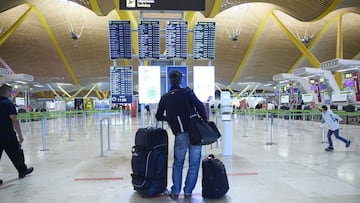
10	132
332	121
173	109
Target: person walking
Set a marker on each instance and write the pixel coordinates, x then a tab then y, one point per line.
10	132
332	121
173	109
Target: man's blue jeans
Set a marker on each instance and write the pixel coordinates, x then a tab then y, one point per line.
182	144
336	132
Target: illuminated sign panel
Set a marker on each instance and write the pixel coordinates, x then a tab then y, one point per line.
175	5
204	82
149	84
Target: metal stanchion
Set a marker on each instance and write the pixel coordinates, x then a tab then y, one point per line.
271	130
289	125
312	118
84	122
303	119
244	124
267	121
102	136
69	128
43	136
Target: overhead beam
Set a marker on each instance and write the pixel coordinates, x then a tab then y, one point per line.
339	50
304	50
52	89
106	94
95	7
12	29
357	56
62	89
251	46
215	9
217	87
98	94
256	86
333	5
313	42
244	90
55	43
76	93
232	91
339	39
90	90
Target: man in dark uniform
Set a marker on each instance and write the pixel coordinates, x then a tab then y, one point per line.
10	132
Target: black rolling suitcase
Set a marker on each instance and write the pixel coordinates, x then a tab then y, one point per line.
214	178
149	161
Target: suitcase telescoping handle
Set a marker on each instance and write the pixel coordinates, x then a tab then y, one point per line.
157	123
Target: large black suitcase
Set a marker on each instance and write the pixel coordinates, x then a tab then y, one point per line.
214	178
149	161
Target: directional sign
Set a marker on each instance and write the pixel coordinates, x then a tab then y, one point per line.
183	5
4	71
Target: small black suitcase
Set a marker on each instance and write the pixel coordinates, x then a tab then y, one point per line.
214	178
149	161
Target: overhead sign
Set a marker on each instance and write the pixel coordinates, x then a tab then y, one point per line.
204	40
4	71
120	40
121	84
149	84
176	39
149	39
179	5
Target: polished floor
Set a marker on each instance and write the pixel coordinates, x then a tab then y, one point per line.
282	162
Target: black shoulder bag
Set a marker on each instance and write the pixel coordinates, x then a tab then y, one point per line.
200	131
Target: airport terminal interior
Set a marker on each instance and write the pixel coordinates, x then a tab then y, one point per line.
87	74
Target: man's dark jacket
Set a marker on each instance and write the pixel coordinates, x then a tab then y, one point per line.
177	106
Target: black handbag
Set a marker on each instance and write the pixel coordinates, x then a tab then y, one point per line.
200	131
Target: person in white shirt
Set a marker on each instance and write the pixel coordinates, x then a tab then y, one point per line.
332	121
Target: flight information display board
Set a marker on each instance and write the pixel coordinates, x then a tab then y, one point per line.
176	39
121	84
149	39
204	40
120	40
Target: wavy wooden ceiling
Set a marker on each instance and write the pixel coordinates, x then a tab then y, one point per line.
263	48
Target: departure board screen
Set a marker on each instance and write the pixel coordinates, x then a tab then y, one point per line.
149	39
121	84
204	40
120	40
176	39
